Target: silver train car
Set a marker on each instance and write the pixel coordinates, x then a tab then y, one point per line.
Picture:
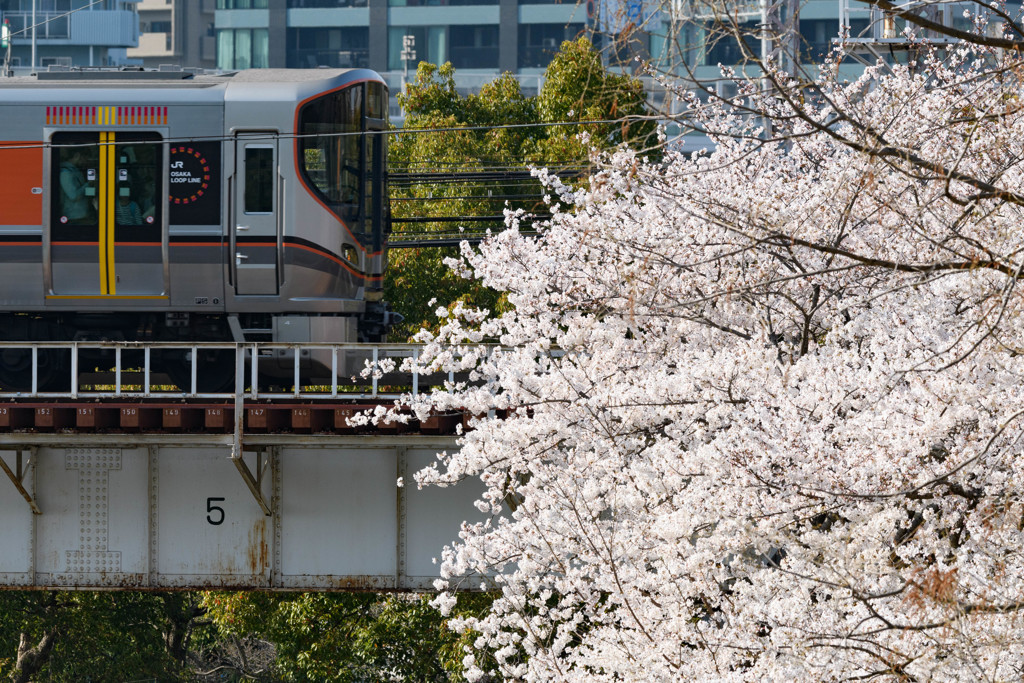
173	206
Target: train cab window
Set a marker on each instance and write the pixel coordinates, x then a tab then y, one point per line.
376	100
331	151
259	179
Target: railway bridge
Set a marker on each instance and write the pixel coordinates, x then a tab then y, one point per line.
125	481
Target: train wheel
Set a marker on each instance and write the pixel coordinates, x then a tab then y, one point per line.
215	370
16	370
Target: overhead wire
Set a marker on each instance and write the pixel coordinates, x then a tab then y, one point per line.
303	136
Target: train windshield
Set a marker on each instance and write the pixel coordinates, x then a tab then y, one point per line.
338	162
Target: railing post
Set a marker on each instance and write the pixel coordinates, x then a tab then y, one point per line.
74	370
236	443
334	372
376	359
255	385
117	370
415	373
254	373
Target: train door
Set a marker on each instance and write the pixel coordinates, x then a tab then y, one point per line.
105	227
255	235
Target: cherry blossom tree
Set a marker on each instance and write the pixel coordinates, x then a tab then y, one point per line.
756	413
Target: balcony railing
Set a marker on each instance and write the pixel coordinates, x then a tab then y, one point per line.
109	28
49	25
338	59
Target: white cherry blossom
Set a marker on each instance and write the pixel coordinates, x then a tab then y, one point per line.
756	414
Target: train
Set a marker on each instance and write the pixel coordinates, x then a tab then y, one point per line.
176	205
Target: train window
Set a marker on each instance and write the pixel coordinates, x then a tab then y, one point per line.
138	165
331	150
259	179
376	100
107	185
77	158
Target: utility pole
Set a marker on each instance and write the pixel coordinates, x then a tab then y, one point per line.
780	34
33	36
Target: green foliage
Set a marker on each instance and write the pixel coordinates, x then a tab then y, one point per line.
100	636
577	88
349	637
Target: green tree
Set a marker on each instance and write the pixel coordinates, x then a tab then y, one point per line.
577	89
349	636
76	636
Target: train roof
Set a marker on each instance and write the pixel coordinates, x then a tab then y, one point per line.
271	83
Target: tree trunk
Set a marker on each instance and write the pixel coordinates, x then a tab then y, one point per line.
181	611
32	659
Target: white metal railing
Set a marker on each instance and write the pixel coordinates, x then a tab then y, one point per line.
249	371
881	26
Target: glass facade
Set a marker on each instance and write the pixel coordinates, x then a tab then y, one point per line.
300	4
242	4
430	44
244	48
466	47
473	47
726	49
439	3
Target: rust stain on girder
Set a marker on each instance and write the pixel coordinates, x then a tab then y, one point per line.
257	550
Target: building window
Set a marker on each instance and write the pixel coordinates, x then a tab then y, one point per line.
816	38
539	43
55	61
473	47
242	4
299	4
430	44
41	6
466	47
242	49
344	47
437	3
726	49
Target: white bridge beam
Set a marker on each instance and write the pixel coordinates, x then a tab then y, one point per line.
311	512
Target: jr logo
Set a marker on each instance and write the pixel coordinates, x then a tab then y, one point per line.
178	164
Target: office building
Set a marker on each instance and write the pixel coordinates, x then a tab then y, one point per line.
480	38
